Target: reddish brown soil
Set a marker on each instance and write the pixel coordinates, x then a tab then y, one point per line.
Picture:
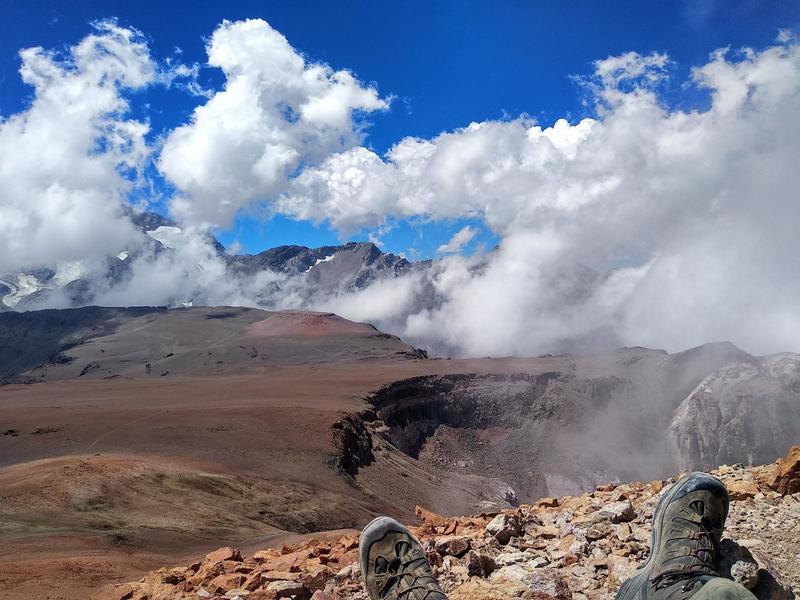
106	478
293	323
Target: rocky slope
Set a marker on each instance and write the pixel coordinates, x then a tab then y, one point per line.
106	343
644	413
574	547
751	402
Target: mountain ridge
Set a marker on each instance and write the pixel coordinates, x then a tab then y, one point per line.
358	264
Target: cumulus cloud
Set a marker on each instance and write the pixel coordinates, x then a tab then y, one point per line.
645	225
642	225
460	239
276	113
65	158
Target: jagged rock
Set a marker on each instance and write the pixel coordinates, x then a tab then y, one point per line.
316	577
741	489
751	568
581	546
429	518
510	558
503	527
547	584
480	565
225	553
453	545
616	512
598	531
547	502
785	477
225	582
745	573
620	568
285	589
280	576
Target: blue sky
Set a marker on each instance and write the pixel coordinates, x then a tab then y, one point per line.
445	63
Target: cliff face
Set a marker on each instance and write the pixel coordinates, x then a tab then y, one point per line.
574	547
748	404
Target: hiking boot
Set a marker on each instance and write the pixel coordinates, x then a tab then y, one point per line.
394	565
687	527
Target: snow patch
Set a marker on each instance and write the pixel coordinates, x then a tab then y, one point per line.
168	235
25	285
321	260
68	272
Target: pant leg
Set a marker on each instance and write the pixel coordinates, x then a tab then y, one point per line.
723	589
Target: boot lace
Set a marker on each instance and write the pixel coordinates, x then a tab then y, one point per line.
692	548
405	573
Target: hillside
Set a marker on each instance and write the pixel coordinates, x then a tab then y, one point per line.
558	548
139	436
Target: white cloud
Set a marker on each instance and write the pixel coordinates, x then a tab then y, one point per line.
65	156
700	208
275	113
460	239
644	225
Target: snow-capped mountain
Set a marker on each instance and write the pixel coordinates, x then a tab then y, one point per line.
325	270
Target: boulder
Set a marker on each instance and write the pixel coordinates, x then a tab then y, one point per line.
740	489
615	512
785	475
452	545
224	553
429	518
285	589
503	527
752	569
547	584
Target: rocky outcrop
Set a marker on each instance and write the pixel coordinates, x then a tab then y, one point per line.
747	411
785	477
574	547
353	444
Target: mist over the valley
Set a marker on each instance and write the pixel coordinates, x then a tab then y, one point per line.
667	219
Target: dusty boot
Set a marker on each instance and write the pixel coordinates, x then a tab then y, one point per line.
687	527
394	565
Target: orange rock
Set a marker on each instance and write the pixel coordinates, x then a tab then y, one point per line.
125	591
228	581
565	542
253	582
429	518
207	572
739	489
453	545
280	576
263	595
316	577
286	562
224	553
785	475
285	589
350	542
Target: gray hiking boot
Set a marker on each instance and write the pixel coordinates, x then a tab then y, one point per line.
394	565
687	527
